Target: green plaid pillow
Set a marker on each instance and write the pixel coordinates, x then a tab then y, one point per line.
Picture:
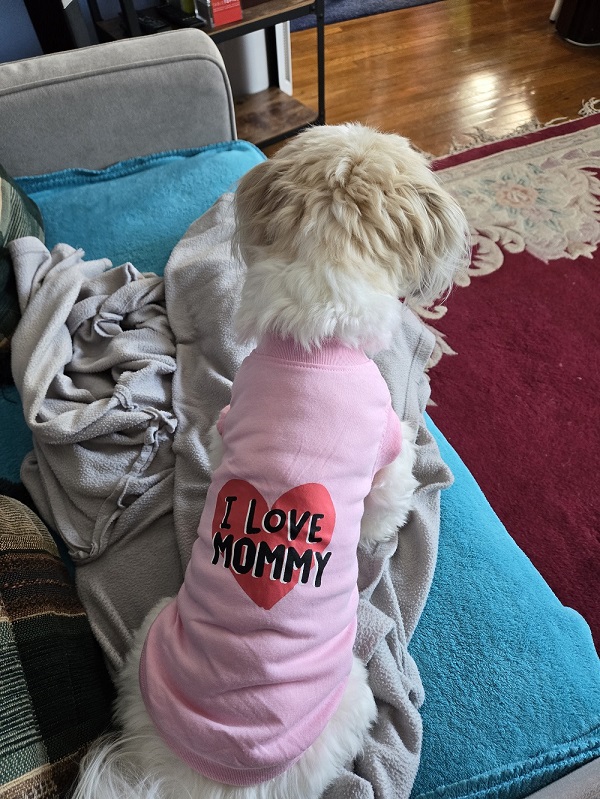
19	216
55	694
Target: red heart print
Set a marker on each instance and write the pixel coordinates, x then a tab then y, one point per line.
269	550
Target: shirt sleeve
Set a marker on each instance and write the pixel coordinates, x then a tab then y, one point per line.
391	442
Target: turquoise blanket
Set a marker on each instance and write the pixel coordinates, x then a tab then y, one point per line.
511	677
137	210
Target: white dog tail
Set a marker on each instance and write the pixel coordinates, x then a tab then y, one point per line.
105	773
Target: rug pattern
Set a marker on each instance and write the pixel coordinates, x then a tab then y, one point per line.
514	385
547	204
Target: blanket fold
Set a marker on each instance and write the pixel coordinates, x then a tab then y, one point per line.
121	376
93	359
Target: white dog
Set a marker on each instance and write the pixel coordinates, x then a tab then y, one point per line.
244	686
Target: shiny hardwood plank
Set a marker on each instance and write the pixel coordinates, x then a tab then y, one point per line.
436	71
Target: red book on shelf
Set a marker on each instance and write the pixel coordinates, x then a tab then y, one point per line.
218	12
226	11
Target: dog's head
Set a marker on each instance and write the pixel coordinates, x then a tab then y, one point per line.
335	227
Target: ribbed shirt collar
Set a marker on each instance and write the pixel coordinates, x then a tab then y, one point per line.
331	352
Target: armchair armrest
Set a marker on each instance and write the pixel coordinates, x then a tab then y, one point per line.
97	105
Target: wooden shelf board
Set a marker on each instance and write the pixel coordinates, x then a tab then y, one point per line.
253	15
257	14
270	115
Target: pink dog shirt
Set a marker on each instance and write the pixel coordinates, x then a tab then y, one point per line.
242	671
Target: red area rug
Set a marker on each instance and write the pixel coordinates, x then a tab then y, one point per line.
517	384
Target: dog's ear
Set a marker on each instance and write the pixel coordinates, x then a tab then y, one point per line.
249	196
260	201
437	247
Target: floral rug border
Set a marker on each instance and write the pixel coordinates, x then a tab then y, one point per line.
546	205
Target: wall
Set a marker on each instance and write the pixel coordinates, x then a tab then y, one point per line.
17	35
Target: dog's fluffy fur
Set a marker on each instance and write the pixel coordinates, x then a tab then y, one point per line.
341	222
333	229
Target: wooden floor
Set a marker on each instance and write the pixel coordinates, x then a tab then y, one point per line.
438	70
